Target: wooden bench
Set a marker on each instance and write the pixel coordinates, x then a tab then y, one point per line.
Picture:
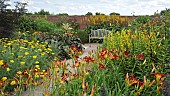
98	34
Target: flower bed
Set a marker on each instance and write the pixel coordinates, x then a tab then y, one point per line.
133	61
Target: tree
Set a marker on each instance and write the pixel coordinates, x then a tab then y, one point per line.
164	12
89	13
20	8
3	5
114	13
98	13
62	14
42	12
9	18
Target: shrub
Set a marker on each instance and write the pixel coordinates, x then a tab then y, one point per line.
83	35
44	26
27	24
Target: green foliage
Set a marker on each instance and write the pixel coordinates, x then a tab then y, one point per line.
44	26
66	40
27	24
9	18
83	35
62	14
143	19
164	12
42	12
61	19
98	13
113	13
89	13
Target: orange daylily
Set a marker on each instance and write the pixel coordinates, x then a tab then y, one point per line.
132	80
103	53
158	76
76	64
113	57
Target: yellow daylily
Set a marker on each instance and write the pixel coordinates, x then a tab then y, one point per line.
22	63
12	61
4	79
8	69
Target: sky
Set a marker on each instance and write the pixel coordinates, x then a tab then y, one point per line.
81	7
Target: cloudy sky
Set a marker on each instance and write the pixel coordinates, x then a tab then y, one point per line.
81	7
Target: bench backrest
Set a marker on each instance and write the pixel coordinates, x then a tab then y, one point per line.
99	33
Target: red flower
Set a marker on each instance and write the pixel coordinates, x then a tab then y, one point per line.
88	59
126	53
103	53
115	56
74	48
102	66
140	56
5	65
132	80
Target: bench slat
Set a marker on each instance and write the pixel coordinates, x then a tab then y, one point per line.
98	34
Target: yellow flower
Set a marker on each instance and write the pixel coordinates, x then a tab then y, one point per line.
21	47
8	69
49	49
40	50
42	54
34	57
12	61
36	62
37	66
25	41
4	78
13	82
1	62
20	56
22	63
26	53
32	46
55	59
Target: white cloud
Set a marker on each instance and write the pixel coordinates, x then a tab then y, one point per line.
80	7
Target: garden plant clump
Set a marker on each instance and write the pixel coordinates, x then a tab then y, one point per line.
133	60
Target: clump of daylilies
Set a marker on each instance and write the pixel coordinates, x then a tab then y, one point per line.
139	85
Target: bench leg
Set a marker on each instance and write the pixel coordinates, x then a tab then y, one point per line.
89	40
